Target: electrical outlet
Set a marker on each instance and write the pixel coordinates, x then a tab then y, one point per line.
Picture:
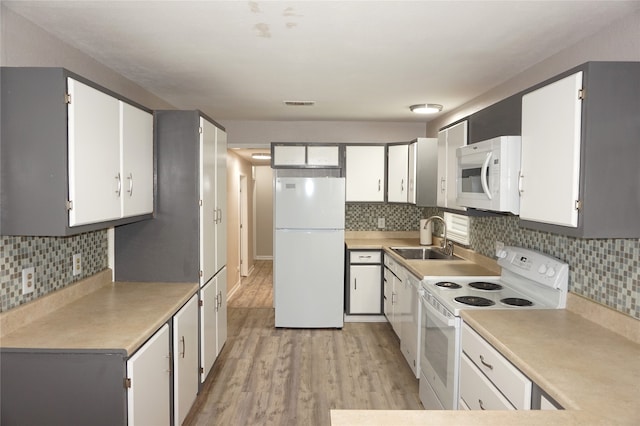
499	247
77	264
28	280
381	222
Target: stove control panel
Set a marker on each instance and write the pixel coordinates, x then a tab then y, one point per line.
539	267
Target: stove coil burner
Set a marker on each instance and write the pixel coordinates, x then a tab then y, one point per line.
448	284
474	301
516	301
483	285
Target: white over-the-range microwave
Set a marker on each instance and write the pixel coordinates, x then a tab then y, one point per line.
487	175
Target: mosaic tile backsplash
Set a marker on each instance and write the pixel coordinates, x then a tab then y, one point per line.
52	259
606	271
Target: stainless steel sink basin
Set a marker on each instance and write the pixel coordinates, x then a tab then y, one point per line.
423	253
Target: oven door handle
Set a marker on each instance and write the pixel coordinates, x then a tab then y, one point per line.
483	175
450	322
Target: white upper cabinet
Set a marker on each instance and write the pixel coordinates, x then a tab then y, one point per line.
136	144
412	173
208	210
550	164
449	140
306	155
221	199
580	152
398	174
365	172
110	157
289	155
95	180
81	156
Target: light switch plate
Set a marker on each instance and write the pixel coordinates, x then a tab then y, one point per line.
381	222
28	280
499	247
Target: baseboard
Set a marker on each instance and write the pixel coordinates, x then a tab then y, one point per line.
251	269
233	291
364	318
263	257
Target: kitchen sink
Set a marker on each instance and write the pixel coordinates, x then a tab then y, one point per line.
423	253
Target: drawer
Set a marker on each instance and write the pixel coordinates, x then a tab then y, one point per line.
512	383
477	392
365	257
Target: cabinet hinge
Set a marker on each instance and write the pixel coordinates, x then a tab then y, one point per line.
201	370
582	93
200	303
200	203
578	205
201	274
200	130
127	383
68	204
67	98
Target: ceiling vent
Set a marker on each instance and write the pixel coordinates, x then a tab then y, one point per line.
300	103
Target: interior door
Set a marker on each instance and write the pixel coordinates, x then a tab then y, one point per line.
95	181
550	163
148	400
208	214
136	139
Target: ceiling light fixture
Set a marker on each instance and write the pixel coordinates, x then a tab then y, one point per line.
261	156
426	108
299	103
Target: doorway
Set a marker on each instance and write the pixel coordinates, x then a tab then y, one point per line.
243	221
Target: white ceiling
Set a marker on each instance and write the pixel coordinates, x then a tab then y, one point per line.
359	60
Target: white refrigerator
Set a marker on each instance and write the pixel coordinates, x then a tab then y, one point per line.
308	267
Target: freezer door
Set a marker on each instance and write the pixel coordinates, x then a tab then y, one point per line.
309	203
309	279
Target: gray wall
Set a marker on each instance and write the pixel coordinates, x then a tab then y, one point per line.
617	42
258	134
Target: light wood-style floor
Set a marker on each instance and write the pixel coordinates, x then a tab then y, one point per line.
269	376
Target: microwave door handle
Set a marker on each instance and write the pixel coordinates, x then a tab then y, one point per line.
483	175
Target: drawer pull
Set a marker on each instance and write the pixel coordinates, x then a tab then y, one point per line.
489	366
481	406
365	257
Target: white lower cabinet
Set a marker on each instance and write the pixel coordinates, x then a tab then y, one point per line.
365	282
148	370
185	359
487	379
410	330
213	321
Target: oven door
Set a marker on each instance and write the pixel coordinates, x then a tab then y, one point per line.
439	355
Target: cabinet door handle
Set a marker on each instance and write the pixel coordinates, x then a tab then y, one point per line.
442	185
184	347
489	366
355	283
481	404
402	185
119	188
130	190
520	177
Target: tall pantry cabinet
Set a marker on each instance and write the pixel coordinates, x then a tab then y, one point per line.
186	240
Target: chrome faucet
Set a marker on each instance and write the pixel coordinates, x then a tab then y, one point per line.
446	246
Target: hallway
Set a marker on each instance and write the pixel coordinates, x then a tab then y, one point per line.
269	376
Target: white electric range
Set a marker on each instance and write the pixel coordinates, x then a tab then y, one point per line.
528	280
